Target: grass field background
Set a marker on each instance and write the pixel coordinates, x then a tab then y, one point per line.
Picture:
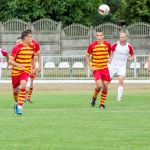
64	120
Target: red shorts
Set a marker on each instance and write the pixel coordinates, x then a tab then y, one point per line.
16	79
102	74
33	76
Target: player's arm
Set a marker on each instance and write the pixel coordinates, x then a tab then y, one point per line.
39	61
131	57
12	58
33	65
110	52
87	57
5	54
131	53
14	63
7	59
37	47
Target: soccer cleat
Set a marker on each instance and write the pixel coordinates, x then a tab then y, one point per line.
119	99
15	108
102	106
18	109
93	102
29	101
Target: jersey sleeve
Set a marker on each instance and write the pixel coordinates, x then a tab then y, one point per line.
37	47
14	52
131	52
89	50
4	53
113	47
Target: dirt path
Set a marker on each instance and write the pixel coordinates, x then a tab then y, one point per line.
78	87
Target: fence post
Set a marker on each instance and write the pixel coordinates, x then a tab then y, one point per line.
88	72
42	67
91	34
135	73
60	39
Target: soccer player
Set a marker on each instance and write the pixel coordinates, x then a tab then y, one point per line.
22	59
101	53
18	41
3	53
31	78
122	51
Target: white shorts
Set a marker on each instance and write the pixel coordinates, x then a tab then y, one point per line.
29	82
117	70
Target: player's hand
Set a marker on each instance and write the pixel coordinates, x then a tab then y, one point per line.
148	69
130	58
21	66
7	65
109	60
33	71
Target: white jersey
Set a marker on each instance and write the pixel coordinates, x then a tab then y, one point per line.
121	53
119	59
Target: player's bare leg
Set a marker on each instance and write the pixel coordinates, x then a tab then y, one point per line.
104	94
96	92
120	87
15	94
29	91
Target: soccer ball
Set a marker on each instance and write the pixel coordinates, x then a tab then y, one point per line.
104	9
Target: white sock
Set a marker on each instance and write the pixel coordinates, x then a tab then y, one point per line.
120	92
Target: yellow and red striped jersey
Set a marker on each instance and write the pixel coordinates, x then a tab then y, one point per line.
22	55
100	53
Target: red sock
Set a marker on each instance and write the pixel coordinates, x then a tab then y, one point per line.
103	97
29	93
15	96
95	94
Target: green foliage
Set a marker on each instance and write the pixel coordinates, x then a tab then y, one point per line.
134	11
75	11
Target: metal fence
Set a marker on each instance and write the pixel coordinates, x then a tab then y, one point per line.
66	67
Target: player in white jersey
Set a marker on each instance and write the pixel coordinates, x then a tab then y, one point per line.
122	51
3	53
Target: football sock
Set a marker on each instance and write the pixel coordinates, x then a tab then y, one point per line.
120	91
103	97
95	94
29	93
15	96
21	97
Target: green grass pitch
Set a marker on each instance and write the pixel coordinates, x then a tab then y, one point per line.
66	121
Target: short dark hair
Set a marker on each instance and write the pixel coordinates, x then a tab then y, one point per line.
24	34
29	31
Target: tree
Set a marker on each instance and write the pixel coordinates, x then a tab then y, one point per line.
134	11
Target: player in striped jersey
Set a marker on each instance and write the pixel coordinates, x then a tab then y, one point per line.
22	59
101	52
31	78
